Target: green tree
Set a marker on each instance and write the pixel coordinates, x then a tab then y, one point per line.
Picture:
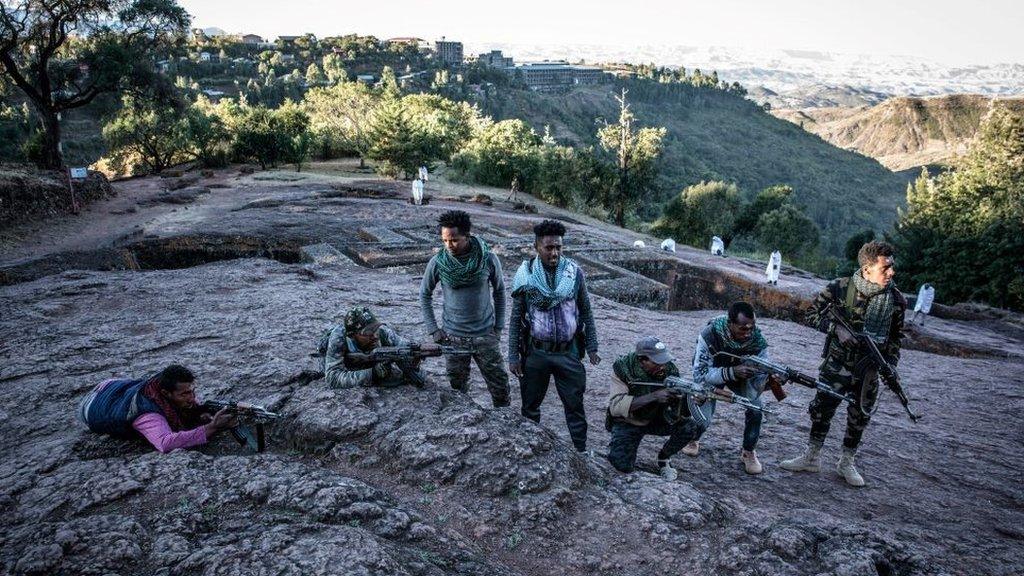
766	200
963	231
636	153
333	69
270	137
395	143
498	152
147	137
700	212
788	230
62	55
447	125
340	117
314	76
389	83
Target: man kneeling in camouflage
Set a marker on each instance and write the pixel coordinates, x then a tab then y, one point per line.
359	335
636	410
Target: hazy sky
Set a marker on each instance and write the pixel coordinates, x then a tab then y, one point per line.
949	31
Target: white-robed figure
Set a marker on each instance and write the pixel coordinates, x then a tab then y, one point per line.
424	175
717	246
774	265
417	191
923	304
668	245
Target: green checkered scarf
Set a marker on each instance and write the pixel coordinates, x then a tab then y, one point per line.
881	304
455	273
752	345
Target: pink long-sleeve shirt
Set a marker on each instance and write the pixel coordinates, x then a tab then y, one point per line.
154	427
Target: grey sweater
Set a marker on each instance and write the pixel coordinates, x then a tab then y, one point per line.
470	311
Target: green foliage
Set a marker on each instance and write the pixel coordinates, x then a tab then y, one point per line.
146	138
766	200
396	144
788	230
963	231
270	137
853	244
447	125
700	212
636	153
498	152
15	129
58	68
340	118
717	135
571	177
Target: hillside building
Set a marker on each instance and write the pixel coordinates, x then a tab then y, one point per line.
553	75
252	39
448	52
495	59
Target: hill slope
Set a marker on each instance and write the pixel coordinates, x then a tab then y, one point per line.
902	133
718	135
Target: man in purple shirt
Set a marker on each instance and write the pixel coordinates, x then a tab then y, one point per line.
162	408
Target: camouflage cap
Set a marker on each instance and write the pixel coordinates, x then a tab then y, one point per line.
359	319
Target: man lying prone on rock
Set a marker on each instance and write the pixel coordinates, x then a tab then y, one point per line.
162	408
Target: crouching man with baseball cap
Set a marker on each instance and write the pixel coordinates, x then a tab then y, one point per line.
636	409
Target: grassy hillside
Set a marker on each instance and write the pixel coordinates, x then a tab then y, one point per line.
718	135
903	132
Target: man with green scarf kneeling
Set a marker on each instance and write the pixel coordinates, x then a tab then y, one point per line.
637	409
474	305
551	327
871	304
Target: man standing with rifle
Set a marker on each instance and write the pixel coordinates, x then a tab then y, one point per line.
859	313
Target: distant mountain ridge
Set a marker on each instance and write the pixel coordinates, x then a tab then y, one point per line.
902	133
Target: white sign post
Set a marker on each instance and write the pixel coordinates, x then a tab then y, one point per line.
75	174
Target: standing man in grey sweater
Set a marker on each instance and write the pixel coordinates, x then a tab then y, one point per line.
473	308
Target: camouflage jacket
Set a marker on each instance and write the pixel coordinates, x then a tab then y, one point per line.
837	293
343	372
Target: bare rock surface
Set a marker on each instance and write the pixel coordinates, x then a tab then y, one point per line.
407	481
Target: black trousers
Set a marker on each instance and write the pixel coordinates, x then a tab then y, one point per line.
570	382
626	439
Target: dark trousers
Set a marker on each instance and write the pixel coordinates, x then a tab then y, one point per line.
752	420
570	382
626	439
487	354
823	407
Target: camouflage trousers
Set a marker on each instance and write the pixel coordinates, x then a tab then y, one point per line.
487	354
823	407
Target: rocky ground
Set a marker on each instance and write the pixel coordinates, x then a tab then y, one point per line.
235	275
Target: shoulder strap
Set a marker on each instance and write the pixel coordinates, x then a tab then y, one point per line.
851	295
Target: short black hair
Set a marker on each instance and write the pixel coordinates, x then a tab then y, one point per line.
872	251
549	228
737	308
456	219
173	375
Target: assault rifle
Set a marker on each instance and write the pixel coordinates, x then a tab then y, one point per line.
696	395
885	370
254	438
408	356
786	374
